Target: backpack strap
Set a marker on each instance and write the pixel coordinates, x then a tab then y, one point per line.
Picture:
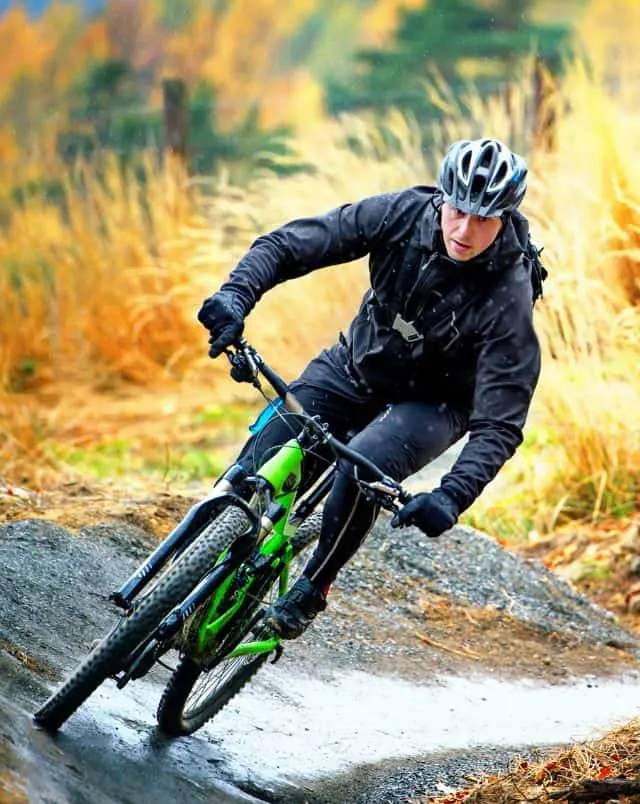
538	272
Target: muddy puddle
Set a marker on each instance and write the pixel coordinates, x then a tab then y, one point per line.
290	737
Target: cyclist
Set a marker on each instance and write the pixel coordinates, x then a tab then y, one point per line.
443	345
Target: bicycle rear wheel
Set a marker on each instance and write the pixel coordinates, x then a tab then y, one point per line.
194	695
109	656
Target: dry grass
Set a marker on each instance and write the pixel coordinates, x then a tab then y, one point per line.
590	324
582	454
96	290
25	441
107	293
604	767
11	789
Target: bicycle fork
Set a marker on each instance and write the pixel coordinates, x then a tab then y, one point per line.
198	516
159	642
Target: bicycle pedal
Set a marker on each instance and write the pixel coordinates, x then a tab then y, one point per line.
278	653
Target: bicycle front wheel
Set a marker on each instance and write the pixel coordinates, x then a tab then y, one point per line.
109	656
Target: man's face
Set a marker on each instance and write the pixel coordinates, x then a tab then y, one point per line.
465	236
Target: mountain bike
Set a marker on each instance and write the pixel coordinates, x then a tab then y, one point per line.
203	592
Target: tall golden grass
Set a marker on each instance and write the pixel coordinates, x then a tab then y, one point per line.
585	206
106	292
95	289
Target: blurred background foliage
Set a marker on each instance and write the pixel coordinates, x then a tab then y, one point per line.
78	78
108	243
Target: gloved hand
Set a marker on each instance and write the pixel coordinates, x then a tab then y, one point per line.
433	513
223	316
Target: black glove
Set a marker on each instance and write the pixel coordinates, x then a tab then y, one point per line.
433	513
223	316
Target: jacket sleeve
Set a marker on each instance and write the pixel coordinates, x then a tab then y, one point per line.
507	372
306	244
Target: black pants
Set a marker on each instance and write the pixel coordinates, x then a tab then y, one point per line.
400	438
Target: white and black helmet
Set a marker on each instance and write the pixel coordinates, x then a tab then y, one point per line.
483	177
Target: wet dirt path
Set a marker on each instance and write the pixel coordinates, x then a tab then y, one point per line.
303	731
294	738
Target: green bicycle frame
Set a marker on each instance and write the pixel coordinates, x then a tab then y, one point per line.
284	472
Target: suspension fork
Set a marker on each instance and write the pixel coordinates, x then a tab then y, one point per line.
198	516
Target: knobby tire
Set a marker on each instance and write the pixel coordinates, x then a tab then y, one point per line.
225	677
108	656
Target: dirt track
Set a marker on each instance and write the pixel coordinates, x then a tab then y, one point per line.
409	621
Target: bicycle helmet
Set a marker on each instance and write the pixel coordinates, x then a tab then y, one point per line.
483	177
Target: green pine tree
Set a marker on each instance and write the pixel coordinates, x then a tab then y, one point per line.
440	37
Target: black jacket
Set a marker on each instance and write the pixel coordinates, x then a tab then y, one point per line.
464	334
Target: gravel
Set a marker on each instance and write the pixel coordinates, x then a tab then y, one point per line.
471	568
50	577
468	568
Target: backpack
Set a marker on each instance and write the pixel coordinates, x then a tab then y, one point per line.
531	254
538	272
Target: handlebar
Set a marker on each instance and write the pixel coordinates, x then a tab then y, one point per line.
247	364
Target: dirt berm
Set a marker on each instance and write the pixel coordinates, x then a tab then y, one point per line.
406	607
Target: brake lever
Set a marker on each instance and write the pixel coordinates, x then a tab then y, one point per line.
243	367
382	488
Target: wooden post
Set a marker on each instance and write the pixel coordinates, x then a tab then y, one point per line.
544	112
507	94
174	96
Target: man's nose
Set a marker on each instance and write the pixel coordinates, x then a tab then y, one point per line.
465	223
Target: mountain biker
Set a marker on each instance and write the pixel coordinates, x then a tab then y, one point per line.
443	345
